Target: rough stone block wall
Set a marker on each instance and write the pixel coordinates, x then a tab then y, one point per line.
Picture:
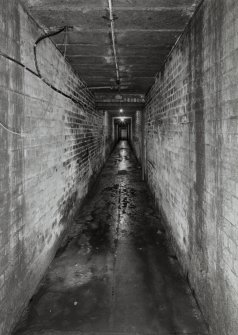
47	171
137	134
192	157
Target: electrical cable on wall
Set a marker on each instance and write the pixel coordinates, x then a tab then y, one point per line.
12	131
58	76
41	38
39	75
17	62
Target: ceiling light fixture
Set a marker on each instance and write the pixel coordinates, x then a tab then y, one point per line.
121	110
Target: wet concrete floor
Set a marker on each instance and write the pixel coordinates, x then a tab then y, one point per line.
115	274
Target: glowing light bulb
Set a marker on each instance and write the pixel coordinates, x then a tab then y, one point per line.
121	110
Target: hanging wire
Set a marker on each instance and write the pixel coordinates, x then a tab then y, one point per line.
57	70
39	75
41	38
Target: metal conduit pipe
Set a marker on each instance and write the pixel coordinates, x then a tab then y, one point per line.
113	41
100	87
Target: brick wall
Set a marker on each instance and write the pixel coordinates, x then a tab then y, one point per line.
192	157
46	173
137	134
108	140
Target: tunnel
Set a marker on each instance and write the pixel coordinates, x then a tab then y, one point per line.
118	167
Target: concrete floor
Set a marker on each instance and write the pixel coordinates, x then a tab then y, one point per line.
115	274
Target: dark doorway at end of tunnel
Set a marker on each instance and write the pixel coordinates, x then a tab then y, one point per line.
122	128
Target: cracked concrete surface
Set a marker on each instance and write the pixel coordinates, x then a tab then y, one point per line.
115	273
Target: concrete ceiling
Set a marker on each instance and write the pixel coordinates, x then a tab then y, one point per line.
145	32
114	102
